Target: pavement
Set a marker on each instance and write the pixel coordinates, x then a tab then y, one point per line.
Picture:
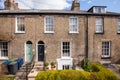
115	68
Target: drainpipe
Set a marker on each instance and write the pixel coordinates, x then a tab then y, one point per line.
86	37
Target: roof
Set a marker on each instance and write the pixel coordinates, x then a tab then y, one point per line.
55	12
97	6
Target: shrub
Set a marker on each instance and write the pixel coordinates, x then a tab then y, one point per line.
85	64
46	64
52	64
100	73
94	68
119	70
61	75
9	78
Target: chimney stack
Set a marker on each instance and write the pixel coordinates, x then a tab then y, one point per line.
75	6
12	1
16	4
10	5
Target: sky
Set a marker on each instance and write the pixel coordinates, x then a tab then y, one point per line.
112	5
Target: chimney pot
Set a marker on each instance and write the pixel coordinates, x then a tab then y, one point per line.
12	1
75	5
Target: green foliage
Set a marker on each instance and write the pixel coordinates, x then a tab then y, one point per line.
119	70
46	64
85	64
99	72
61	75
9	78
94	68
52	64
102	73
11	60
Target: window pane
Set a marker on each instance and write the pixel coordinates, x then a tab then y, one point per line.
119	25
73	24
66	48
106	49
20	24
99	25
4	49
49	23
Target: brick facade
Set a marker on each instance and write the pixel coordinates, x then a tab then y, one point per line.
86	43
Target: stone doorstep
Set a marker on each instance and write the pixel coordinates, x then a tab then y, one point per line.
32	74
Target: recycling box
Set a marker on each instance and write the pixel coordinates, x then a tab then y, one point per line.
13	67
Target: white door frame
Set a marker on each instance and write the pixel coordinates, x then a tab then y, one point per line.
25	51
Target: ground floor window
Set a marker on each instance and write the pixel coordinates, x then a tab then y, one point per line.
3	49
66	49
66	67
106	49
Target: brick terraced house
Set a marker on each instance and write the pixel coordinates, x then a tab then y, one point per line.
62	36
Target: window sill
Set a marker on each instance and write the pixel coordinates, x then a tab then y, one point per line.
19	32
105	57
73	32
49	32
65	57
4	58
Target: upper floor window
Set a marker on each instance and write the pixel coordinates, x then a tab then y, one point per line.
106	49
20	25
73	25
99	9
66	49
49	25
3	50
99	25
119	25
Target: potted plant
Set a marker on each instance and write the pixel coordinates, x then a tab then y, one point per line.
46	64
52	65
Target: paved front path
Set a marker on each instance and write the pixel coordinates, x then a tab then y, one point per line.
114	68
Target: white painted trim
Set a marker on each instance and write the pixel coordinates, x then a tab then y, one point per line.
16	24
25	51
66	57
16	28
4	57
77	25
118	28
45	25
36	51
103	62
105	56
96	25
61	62
19	32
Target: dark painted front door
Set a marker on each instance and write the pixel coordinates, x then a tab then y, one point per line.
40	52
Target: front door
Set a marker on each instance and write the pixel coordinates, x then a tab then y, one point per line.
29	53
40	51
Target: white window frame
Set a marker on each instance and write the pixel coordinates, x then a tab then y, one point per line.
16	19
102	10
71	24
118	29
3	57
104	55
46	24
99	26
66	57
